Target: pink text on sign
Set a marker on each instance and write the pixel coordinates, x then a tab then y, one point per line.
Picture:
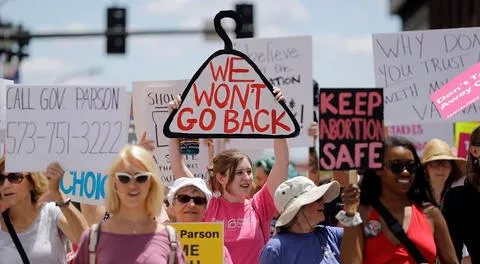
458	93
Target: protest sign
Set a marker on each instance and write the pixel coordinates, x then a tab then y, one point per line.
150	110
351	129
458	94
420	134
463	145
3	98
230	97
201	242
81	127
287	64
412	65
86	187
464	127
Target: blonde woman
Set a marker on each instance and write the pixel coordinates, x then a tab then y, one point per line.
132	234
42	227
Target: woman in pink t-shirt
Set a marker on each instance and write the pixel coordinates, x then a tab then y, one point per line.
246	221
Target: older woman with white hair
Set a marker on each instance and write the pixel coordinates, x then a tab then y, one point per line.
299	239
189	198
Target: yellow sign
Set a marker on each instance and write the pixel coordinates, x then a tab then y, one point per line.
464	127
202	243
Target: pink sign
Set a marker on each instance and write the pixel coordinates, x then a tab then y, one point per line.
463	141
458	93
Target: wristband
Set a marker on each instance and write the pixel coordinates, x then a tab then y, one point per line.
348	220
64	203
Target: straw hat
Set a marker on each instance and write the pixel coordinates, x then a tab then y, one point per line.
437	149
293	194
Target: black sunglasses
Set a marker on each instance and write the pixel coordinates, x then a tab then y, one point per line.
15	178
140	177
397	166
183	198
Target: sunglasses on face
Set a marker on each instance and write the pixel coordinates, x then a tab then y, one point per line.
197	200
398	167
15	178
140	177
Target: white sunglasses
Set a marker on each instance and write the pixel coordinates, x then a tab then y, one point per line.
140	177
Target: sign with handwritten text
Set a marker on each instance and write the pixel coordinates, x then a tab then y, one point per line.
81	127
458	93
86	187
3	89
201	242
287	64
150	110
420	134
351	129
228	97
412	65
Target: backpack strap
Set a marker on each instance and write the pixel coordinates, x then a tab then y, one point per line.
92	242
172	237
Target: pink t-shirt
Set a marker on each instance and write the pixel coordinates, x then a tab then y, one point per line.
246	225
139	249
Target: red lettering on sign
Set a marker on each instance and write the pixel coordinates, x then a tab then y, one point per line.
190	122
259	87
202	119
247	121
220	71
230	117
203	94
276	122
227	95
237	70
374	101
257	121
242	100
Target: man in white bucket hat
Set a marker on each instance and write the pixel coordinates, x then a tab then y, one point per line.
299	239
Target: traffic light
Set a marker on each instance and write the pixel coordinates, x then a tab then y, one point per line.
116	23
248	28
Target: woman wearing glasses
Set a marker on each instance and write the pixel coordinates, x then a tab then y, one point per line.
247	221
461	207
400	190
134	192
189	198
42	227
442	168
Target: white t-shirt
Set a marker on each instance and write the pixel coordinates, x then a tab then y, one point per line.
43	242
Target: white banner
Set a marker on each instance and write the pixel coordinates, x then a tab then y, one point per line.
412	65
86	187
81	127
150	110
287	64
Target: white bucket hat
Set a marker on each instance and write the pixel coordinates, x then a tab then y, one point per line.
188	181
293	194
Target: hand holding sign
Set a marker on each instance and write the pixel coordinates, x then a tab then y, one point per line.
146	143
351	199
54	174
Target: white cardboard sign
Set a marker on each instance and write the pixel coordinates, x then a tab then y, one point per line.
412	65
287	63
81	127
150	110
3	103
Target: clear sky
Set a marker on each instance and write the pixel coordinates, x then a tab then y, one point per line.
341	31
